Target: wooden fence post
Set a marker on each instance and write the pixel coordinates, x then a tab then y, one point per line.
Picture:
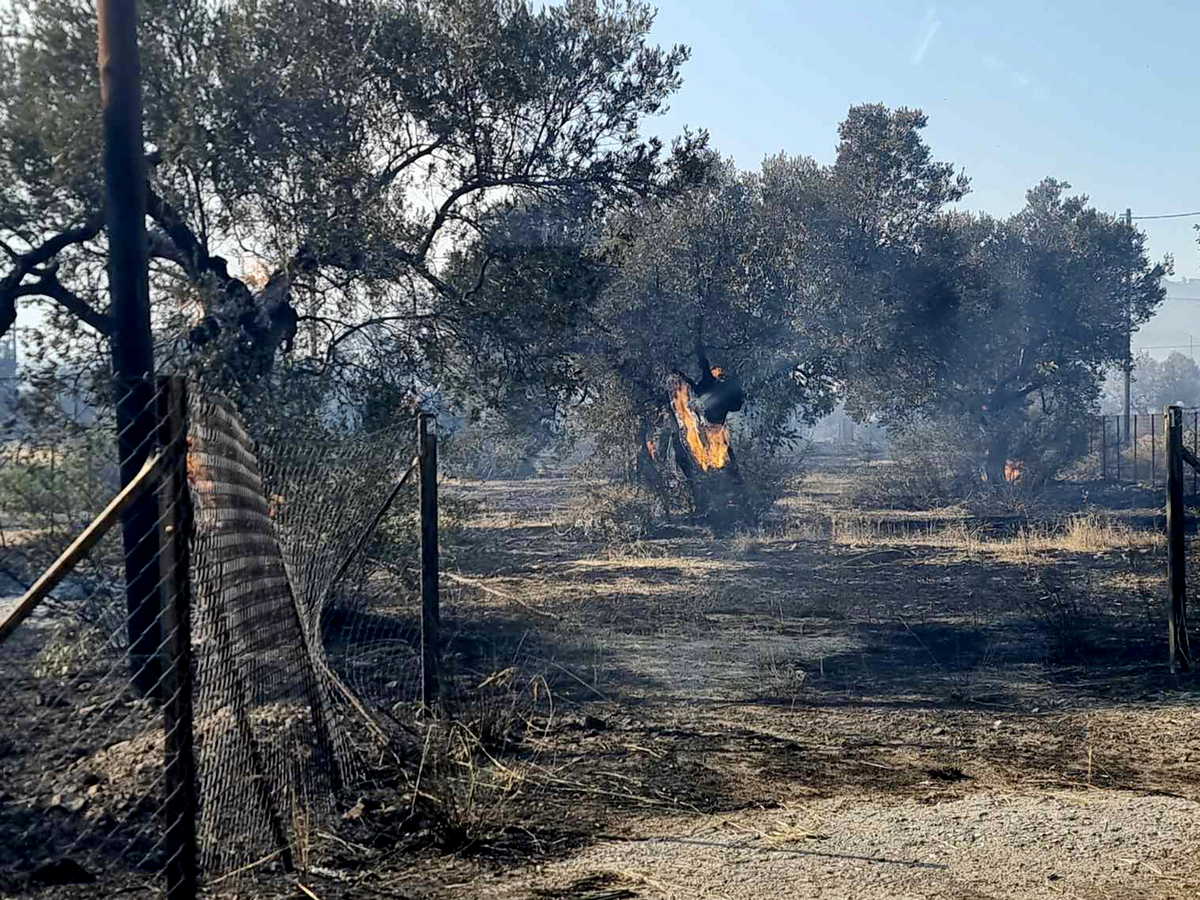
1179	655
174	535
430	614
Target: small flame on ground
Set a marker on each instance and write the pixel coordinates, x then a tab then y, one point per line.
650	449
709	444
716	371
1013	470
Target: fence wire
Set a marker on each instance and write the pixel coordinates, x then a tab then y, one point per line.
1137	454
265	758
82	791
291	672
331	497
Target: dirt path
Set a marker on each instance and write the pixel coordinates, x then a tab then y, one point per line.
1098	844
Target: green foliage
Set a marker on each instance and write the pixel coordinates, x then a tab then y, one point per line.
1024	316
769	472
340	149
711	272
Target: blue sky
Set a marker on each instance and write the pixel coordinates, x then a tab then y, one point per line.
1103	95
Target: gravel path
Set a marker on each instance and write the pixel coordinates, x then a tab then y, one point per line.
1089	844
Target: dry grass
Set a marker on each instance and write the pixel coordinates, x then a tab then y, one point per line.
1085	533
610	512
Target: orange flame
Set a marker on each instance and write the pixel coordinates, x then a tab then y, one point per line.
716	371
650	449
708	443
1013	470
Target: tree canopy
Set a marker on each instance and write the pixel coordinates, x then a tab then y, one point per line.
312	164
458	195
1029	313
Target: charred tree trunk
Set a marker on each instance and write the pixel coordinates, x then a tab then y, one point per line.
703	453
654	440
997	457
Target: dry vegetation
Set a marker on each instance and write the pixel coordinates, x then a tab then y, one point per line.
1082	533
621	678
867	657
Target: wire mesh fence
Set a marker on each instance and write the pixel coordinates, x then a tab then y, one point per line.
265	756
350	549
204	702
1135	453
226	647
88	705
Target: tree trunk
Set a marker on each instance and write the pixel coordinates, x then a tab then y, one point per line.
997	456
654	443
704	456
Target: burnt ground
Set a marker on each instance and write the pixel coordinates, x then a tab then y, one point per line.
842	689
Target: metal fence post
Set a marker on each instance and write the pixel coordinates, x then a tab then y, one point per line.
1104	448
174	533
1153	453
1136	474
1117	446
1178	652
430	614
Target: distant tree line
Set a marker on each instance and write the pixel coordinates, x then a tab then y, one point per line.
1156	383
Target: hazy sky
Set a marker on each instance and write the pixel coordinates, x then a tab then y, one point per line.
1104	95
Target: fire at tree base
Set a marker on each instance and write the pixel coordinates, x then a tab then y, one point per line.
693	430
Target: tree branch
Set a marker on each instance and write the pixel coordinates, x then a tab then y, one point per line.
11	284
49	286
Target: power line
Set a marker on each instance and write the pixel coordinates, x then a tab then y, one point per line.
1185	215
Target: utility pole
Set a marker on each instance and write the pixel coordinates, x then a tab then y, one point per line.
1128	332
132	347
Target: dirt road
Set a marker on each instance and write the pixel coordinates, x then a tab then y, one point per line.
1098	844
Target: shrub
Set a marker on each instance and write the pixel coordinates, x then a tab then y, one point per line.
1066	611
613	511
933	464
768	474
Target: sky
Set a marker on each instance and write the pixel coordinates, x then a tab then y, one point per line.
1103	95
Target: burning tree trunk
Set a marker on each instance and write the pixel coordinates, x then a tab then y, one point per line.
690	426
701	442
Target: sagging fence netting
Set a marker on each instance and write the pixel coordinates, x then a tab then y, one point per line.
273	638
